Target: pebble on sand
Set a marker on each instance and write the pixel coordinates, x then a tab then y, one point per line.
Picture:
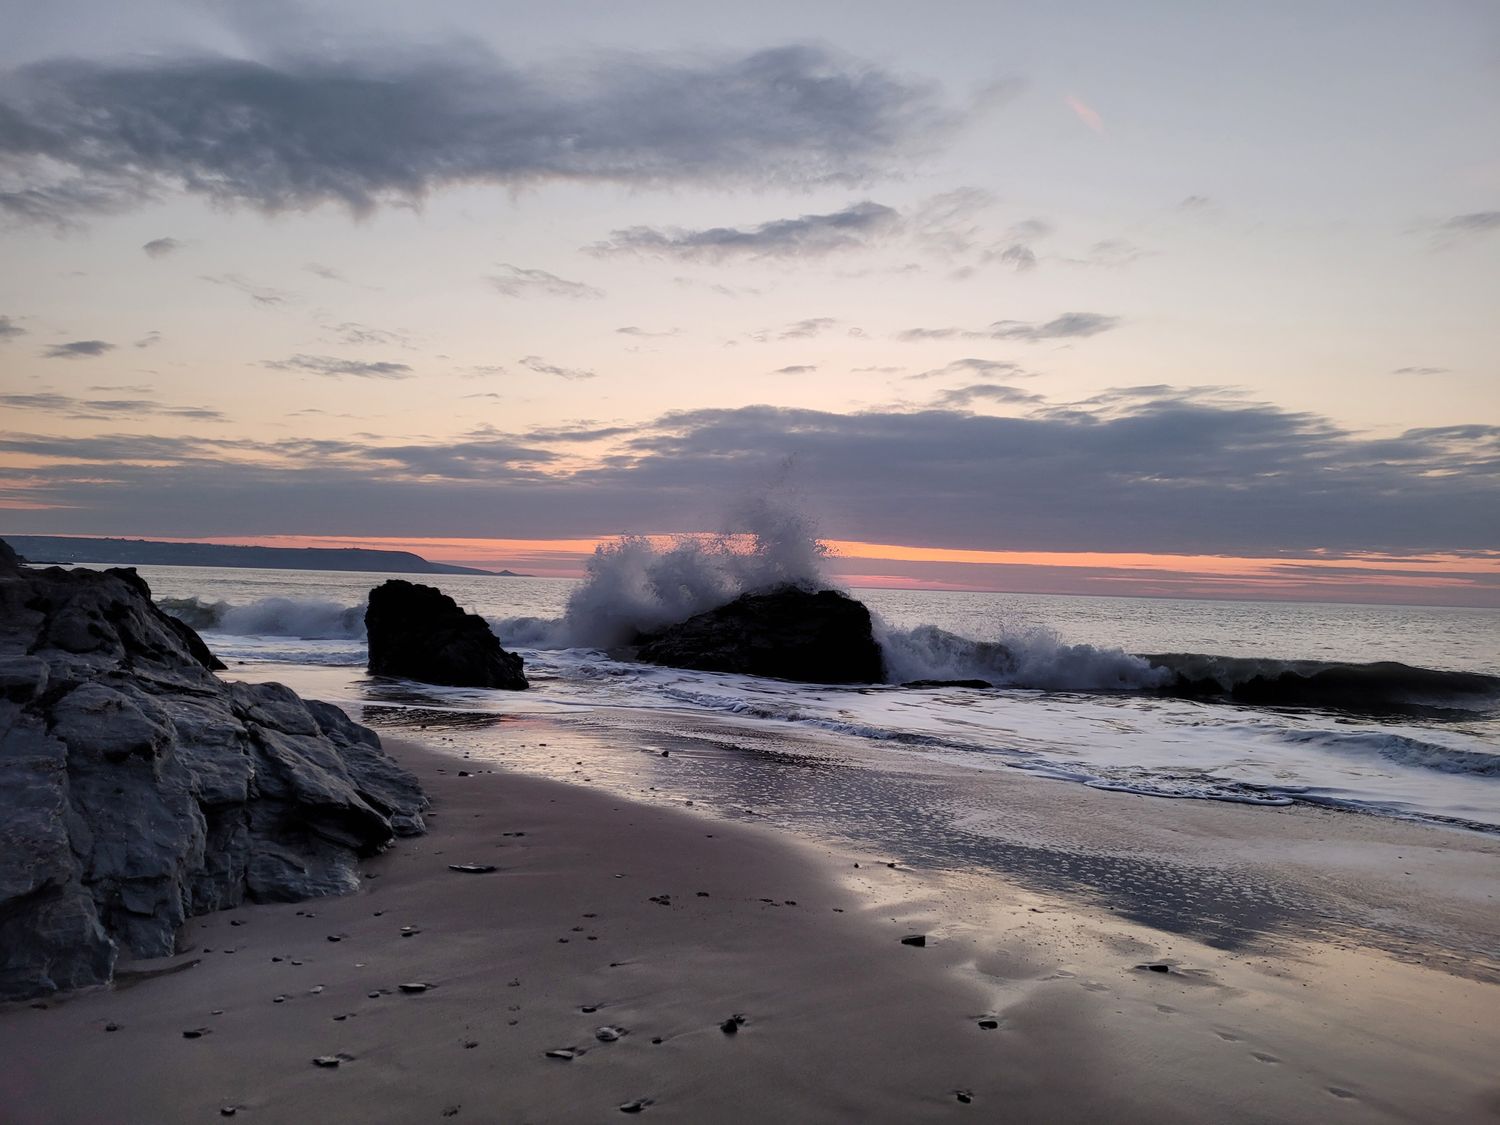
473	868
918	940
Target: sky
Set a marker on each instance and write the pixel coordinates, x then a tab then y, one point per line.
1159	298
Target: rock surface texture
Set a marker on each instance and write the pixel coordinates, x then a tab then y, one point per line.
789	633
419	633
138	789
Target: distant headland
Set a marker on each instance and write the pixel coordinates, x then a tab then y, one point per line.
145	552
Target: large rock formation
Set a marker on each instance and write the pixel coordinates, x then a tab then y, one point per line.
789	633
138	789
420	633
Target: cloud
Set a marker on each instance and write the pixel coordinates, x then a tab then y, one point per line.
1195	203
796	369
1073	325
964	397
542	367
327	273
807	236
10	329
1158	470
518	282
262	295
1476	222
331	365
1420	371
161	247
77	349
297	131
1018	256
806	329
149	340
99	409
358	335
971	366
633	330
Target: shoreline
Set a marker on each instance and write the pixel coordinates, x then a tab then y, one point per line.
842	1020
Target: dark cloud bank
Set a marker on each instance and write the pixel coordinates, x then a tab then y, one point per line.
80	136
1143	469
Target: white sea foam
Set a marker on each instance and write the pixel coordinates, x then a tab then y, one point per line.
1032	657
308	618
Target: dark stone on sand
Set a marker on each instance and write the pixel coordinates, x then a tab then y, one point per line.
473	868
420	633
413	987
637	1106
1156	967
788	633
566	1054
328	1062
137	789
195	1033
963	1096
608	1034
918	940
733	1024
989	1024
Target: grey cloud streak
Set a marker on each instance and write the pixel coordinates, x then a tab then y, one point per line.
1073	325
805	236
78	349
518	282
100	408
299	131
1151	470
333	366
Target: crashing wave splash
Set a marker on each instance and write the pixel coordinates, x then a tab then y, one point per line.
307	618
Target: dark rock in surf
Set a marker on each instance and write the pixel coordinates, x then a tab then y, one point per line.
1381	686
420	633
947	683
788	633
137	789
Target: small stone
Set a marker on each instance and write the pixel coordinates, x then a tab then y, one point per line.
111	1026
373	995
327	1061
413	987
608	1034
335	937
656	1040
278	999
732	1025
566	1054
1158	967
473	868
965	1096
195	1033
989	1024
918	940
470	1044
228	1110
639	1104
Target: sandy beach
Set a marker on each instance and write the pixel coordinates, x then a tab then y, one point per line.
621	936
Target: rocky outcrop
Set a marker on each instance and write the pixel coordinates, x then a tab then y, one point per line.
419	633
789	633
137	789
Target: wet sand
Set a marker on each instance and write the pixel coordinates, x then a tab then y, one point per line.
656	925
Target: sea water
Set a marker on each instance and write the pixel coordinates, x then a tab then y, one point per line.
1073	701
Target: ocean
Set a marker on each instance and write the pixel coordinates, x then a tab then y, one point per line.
1072	702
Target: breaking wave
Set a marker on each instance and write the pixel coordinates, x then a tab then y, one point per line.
307	618
1030	658
635	585
1403	750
